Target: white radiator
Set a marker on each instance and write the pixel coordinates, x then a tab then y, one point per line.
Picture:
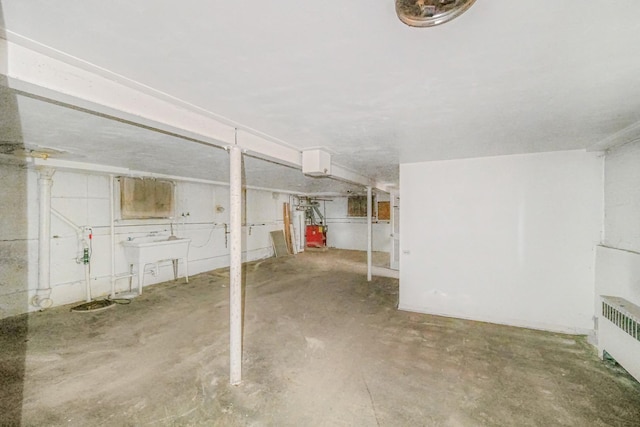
619	333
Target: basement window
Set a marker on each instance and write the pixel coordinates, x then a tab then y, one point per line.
146	198
357	206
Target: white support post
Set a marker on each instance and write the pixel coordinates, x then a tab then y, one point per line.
42	298
112	232
235	276
395	231
369	233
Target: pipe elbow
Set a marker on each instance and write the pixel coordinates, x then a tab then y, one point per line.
41	302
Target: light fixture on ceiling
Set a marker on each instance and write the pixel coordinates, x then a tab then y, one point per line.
427	13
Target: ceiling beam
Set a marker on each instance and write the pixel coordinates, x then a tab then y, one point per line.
39	71
625	136
344	174
83	86
98	169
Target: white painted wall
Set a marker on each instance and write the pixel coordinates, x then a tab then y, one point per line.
18	238
351	233
503	239
618	275
84	199
618	260
622	197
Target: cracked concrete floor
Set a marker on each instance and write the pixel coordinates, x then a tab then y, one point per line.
322	347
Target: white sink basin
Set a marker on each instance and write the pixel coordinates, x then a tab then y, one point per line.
150	250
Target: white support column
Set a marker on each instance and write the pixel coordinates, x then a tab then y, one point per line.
54	76
369	233
235	276
42	297
395	231
112	233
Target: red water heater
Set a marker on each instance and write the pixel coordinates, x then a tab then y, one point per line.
316	236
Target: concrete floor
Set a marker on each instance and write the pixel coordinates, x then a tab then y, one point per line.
322	347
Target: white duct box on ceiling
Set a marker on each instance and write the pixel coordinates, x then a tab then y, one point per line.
316	163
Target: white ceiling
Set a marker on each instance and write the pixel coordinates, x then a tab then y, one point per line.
505	77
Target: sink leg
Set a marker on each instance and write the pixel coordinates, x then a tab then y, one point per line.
140	278
175	268
130	277
186	270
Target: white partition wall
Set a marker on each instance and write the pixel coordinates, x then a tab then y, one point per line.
505	239
618	260
622	198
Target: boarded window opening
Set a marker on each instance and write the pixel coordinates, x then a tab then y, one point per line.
357	206
146	198
384	212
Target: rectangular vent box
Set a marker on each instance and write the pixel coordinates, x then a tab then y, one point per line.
316	163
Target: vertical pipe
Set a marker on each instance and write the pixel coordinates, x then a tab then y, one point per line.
44	238
369	233
235	276
112	231
87	280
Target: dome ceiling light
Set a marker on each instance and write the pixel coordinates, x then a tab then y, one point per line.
427	13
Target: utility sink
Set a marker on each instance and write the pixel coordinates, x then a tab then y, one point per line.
151	250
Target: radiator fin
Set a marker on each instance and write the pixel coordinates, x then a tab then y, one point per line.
622	313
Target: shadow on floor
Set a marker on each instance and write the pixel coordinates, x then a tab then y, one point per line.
14	262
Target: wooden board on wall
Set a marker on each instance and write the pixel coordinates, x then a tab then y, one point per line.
287	226
384	211
146	198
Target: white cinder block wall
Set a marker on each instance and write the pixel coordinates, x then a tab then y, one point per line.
84	199
503	239
346	232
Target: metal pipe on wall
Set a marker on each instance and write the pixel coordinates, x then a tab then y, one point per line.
235	276
87	282
70	223
369	233
42	298
85	257
81	257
